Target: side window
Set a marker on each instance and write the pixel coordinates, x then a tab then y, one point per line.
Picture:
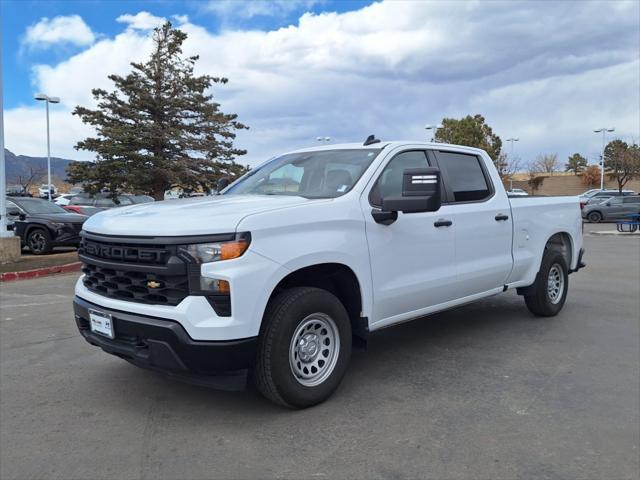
81	200
124	201
464	176
389	183
105	202
615	200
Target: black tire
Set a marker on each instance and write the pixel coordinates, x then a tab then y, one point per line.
595	217
39	241
274	373
543	300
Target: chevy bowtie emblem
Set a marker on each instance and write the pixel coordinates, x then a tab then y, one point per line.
153	284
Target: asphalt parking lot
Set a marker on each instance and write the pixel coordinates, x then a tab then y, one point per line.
482	391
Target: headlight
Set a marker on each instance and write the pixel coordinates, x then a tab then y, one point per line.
216	251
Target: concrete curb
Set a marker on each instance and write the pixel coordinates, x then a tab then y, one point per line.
40	272
615	232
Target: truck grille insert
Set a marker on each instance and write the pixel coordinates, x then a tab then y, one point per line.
142	273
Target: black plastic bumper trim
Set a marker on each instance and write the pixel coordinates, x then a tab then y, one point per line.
163	345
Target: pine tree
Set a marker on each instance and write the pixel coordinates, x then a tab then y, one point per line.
160	128
576	164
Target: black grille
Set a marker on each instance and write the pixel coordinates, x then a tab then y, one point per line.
142	273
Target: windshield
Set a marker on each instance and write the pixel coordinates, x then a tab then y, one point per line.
35	206
319	174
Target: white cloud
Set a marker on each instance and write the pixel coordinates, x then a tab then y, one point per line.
58	30
141	20
548	74
257	8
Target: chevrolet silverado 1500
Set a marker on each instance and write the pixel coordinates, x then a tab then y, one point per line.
306	255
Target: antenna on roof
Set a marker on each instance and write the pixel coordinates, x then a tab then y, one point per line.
371	139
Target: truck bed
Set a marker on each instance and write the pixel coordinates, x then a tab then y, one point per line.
535	220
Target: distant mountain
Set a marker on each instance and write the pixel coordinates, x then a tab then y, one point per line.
20	165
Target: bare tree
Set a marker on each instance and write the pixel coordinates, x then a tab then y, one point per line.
534	170
26	180
506	166
548	162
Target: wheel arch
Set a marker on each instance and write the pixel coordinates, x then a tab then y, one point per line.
560	241
34	226
337	278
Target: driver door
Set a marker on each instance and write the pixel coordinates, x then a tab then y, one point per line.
412	260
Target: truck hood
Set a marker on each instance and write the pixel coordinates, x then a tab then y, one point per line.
191	216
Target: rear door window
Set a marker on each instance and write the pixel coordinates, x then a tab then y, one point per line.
464	176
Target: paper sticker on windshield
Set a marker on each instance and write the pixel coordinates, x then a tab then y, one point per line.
342	188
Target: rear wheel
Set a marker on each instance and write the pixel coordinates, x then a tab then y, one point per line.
549	292
304	347
595	217
39	241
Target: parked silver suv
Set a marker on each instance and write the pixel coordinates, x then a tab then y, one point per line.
612	208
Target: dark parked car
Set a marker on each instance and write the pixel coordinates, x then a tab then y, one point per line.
42	225
88	205
17	191
613	208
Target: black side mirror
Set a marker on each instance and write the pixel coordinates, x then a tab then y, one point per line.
22	216
420	193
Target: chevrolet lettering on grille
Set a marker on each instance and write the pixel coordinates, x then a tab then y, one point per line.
130	254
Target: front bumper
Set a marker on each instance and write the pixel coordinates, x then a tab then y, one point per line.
67	235
163	345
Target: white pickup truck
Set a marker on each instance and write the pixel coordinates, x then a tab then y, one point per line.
309	253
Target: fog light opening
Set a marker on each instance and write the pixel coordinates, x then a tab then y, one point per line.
214	285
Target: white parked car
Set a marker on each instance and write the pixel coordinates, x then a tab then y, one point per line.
43	191
311	251
63	199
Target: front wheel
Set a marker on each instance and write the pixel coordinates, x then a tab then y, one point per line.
39	241
304	348
595	217
549	291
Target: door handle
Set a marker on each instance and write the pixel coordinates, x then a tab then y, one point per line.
442	223
501	217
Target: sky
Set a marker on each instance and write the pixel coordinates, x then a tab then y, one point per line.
546	72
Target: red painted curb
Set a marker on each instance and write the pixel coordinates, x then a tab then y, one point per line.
40	272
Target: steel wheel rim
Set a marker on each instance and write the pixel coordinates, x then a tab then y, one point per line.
37	242
555	283
314	349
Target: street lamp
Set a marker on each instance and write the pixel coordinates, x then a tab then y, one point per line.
323	139
512	139
48	100
435	130
604	131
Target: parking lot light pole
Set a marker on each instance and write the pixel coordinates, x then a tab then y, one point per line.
3	180
435	130
604	131
47	100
